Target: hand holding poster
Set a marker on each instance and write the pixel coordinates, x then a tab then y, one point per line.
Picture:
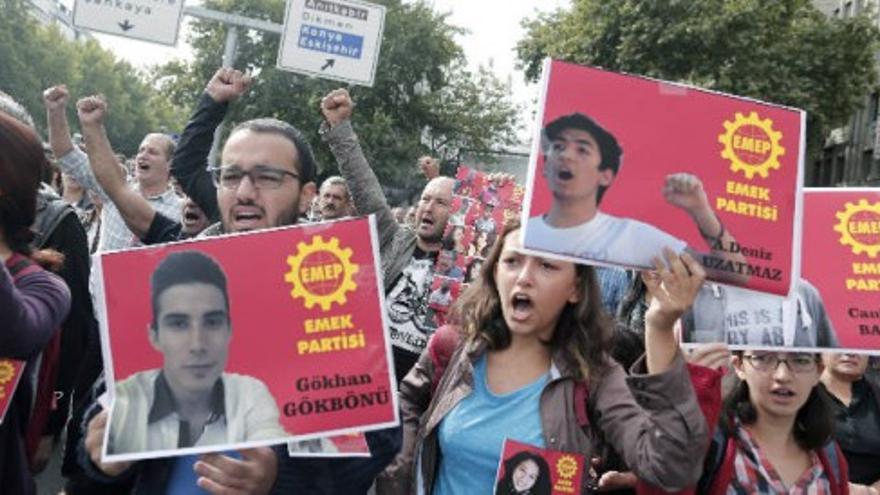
842	258
624	166
245	340
526	469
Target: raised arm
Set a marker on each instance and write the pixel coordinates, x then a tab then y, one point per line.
72	160
55	100
134	208
686	192
365	189
190	163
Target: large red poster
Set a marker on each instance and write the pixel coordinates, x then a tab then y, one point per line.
841	252
623	166
300	345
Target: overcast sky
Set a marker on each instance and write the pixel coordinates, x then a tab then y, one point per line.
493	25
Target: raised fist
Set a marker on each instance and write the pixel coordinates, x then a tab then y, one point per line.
686	191
55	98
91	110
227	84
337	106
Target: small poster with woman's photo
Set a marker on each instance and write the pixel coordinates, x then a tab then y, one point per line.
528	470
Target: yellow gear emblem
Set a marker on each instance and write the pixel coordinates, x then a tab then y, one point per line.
854	227
7	371
751	145
566	466
321	273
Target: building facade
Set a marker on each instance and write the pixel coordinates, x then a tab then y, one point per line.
851	155
58	13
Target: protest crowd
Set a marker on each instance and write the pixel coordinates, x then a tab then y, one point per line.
488	341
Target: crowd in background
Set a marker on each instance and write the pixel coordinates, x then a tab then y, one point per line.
527	337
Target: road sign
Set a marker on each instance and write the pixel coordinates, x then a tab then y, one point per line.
157	21
332	39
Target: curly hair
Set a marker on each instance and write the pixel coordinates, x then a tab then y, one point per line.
583	331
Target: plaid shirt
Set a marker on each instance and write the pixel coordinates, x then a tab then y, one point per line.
753	473
114	234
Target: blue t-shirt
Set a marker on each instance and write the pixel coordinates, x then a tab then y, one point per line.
182	480
472	434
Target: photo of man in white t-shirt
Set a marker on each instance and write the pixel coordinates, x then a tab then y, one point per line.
581	161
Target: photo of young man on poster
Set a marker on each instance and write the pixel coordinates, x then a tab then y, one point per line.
191	401
581	161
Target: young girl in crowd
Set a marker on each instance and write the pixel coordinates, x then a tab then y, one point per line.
33	302
775	433
531	333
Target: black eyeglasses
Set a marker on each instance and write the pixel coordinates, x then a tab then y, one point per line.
797	363
261	176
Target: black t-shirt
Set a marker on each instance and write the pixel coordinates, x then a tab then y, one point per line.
163	229
857	431
411	321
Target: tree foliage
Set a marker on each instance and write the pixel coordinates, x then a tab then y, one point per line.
34	57
783	51
424	99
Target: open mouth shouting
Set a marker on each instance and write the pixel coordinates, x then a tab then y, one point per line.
564	175
247	217
521	306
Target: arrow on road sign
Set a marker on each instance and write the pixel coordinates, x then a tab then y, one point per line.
125	25
328	64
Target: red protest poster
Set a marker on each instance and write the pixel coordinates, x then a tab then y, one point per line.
841	252
349	445
245	340
528	469
624	166
10	374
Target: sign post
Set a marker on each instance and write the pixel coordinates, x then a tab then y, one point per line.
147	20
338	39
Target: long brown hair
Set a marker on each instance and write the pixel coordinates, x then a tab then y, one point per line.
21	163
582	333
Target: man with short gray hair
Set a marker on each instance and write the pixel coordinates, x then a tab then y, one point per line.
334	199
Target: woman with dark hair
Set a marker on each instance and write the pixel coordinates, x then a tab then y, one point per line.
33	302
525	473
529	361
775	432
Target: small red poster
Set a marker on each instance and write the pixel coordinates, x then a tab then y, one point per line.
624	166
528	469
841	252
244	340
10	374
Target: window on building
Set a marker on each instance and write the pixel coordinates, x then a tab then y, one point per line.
873	104
847	9
839	168
867	162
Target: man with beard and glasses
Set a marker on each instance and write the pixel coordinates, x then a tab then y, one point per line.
265	179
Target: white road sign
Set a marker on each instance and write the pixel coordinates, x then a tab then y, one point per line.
332	39
157	21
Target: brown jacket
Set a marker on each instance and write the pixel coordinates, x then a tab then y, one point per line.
653	421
